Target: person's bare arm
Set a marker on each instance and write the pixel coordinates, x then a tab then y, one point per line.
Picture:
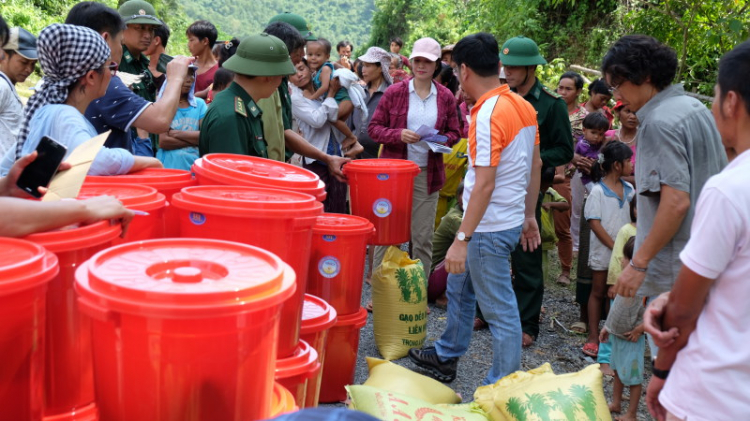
530	236
298	144
558	206
178	139
157	117
673	207
23	217
204	93
143	162
325	79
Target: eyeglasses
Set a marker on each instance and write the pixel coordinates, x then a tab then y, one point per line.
615	88
113	68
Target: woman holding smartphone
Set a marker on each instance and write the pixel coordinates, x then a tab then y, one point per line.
77	69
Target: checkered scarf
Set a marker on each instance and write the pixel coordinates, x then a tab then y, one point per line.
66	53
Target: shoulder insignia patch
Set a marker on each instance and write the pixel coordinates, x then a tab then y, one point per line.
239	106
550	92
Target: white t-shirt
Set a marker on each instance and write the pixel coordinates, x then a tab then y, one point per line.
710	380
502	134
613	212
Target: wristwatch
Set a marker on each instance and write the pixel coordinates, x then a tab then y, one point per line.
660	374
461	236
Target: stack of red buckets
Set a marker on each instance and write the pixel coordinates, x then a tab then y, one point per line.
214	324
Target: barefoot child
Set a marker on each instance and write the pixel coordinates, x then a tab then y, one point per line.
607	210
615	269
318	58
624	330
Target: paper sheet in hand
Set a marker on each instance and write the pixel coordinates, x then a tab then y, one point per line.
67	184
434	140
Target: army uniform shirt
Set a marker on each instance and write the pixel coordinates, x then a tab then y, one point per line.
233	125
555	137
146	88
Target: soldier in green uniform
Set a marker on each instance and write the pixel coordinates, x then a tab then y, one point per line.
520	56
233	121
140	18
296	21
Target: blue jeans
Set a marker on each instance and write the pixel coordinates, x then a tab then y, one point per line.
486	281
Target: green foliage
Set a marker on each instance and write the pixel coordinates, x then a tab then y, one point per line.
335	20
404	284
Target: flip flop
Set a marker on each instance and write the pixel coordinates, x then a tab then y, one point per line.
579	327
563	280
591	349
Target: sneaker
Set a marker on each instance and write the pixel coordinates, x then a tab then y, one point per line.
428	359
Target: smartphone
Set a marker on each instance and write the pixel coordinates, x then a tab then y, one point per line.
40	172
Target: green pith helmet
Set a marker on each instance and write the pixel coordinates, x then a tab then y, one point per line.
521	51
296	21
138	12
261	55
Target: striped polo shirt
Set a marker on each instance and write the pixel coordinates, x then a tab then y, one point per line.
502	134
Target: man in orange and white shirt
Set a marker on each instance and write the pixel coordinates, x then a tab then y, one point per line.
500	195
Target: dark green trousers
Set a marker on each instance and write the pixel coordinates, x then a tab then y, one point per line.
529	282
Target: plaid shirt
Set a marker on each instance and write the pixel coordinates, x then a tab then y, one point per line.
390	119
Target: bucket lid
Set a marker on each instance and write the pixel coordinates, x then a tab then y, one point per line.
186	277
24	265
378	165
357	320
75	237
133	196
259	170
304	360
317	315
148	177
282	400
247	201
337	223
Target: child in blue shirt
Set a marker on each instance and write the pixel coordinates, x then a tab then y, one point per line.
178	147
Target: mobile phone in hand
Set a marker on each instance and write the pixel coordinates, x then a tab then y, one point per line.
39	173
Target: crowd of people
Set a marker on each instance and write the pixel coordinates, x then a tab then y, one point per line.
661	242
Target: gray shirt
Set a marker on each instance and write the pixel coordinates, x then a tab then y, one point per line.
11	114
678	146
360	130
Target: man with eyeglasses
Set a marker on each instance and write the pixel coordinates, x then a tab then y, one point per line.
141	21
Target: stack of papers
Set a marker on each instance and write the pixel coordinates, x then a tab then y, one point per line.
435	141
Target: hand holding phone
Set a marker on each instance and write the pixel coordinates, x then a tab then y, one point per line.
39	173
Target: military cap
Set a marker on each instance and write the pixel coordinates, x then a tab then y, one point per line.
296	21
521	51
139	12
261	55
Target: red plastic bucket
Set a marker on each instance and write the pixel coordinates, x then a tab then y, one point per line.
382	191
136	197
87	413
276	220
166	181
282	401
242	170
341	356
184	329
317	318
69	379
25	271
337	260
295	371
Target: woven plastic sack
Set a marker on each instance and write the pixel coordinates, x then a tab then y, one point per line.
386	405
540	394
399	304
393	378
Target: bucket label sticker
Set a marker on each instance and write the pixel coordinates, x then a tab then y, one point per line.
329	267
329	238
197	218
382	208
383	177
